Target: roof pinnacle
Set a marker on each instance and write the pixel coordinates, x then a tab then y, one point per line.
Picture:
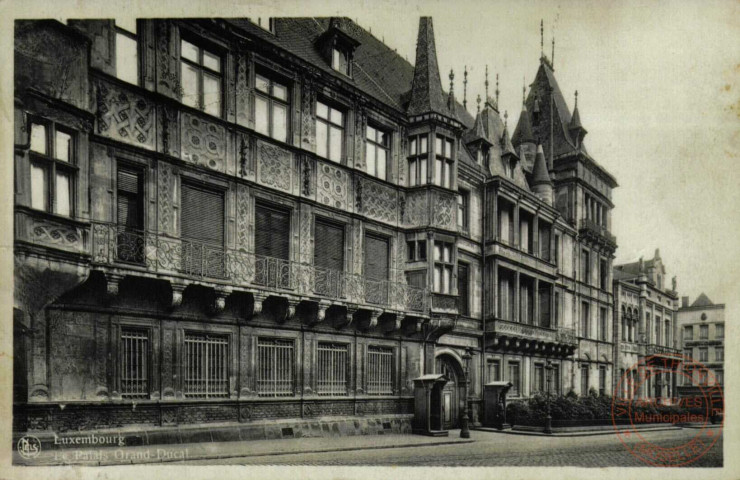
497	90
478	101
465	87
486	83
542	38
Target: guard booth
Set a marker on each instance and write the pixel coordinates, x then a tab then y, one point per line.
495	405
428	418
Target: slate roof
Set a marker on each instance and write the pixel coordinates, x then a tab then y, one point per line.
378	70
539	174
523	130
702	301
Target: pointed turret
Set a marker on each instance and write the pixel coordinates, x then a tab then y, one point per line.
541	184
426	89
523	130
507	148
575	128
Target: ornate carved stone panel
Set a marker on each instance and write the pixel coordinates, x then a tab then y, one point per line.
168	78
357	246
306	240
165	179
242	90
203	142
444	210
360	124
55	234
125	116
333	186
167	363
308	120
275	166
242	215
378	201
417	208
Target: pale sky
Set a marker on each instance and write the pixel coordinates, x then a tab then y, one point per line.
658	90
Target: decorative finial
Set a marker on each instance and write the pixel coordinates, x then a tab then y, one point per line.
497	91
542	38
452	80
478	102
465	87
576	100
552	58
506	119
486	82
524	90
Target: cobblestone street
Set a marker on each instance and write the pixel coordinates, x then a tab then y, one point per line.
495	449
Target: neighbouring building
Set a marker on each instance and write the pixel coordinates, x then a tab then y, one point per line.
222	221
644	329
702	329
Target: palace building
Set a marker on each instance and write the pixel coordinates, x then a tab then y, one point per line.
218	221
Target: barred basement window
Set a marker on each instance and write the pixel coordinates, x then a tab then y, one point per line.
134	348
379	371
206	365
274	367
332	372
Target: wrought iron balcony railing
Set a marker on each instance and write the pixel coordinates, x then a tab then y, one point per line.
562	335
114	245
653	349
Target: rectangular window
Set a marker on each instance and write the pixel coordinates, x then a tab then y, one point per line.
272	246
506	295
688	353
505	222
271	108
206	365
544	295
555	379
719	354
443	161
340	61
328	257
719	377
275	370
604	274
379	370
585	267
53	169
463	290
538	384
557	249
584	379
544	240
202	228
418	158
515	378
688	333
525	231
377	151
127	53
494	370
200	78
377	269
526	300
719	330
130	213
585	320
602	381
703	354
417	250
603	324
329	132
332	369
703	332
463	199
556	306
443	263
134	366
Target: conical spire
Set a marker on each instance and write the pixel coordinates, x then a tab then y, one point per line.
506	146
576	129
426	88
523	131
539	172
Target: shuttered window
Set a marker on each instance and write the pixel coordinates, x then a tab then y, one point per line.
130	213
376	257
329	247
202	221
272	232
462	289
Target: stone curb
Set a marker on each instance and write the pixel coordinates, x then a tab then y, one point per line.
571	434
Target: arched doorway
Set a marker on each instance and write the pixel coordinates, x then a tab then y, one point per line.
451	394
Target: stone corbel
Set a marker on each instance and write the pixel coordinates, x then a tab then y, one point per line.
259	299
373	322
321	312
290	311
177	290
351	311
112	283
219	303
395	324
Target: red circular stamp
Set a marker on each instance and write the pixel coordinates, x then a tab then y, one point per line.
647	397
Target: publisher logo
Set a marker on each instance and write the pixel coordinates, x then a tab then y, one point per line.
29	446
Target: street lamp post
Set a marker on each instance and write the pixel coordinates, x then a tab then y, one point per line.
548	420
464	427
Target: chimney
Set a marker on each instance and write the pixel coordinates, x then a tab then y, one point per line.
684	302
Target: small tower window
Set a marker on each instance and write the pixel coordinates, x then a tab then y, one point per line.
340	61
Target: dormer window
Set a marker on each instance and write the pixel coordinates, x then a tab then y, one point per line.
340	61
265	23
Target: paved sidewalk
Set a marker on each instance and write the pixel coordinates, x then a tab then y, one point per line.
221	450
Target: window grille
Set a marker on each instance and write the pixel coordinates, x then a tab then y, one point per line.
206	366
134	363
379	371
274	367
332	371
